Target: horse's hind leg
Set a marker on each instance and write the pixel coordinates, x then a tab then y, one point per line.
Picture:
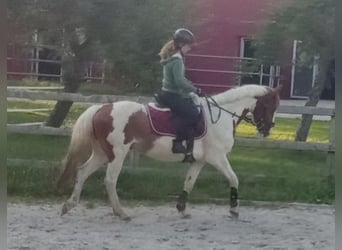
111	179
96	160
189	183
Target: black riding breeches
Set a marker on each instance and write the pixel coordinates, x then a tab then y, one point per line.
186	114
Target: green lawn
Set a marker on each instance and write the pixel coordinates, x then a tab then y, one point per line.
264	174
285	129
40	116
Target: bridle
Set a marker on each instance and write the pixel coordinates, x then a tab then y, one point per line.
211	101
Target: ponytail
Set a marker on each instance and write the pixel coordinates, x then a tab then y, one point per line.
167	50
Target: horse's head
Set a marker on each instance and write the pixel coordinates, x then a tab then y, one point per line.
264	111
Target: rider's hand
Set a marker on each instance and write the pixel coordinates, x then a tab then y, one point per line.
199	92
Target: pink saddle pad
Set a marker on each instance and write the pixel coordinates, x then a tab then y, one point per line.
162	121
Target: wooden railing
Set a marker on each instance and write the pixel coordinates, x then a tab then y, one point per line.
265	143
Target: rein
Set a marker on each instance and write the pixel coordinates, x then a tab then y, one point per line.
215	104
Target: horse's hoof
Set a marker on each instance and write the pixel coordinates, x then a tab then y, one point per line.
65	209
234	214
67	206
126	218
180	207
185	216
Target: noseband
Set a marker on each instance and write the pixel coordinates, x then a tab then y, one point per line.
260	124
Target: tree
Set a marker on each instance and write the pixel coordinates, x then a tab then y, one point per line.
51	21
128	33
312	22
133	32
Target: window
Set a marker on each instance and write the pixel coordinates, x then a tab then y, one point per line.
255	74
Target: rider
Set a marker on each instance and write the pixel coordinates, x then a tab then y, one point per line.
176	88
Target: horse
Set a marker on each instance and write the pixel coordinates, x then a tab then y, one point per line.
104	134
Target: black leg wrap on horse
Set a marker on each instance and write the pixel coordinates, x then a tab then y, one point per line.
233	197
182	199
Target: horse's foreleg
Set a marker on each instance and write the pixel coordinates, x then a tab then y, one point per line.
111	178
222	164
189	183
95	161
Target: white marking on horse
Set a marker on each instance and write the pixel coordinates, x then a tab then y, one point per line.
131	129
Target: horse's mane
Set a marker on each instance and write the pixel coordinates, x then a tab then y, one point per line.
240	92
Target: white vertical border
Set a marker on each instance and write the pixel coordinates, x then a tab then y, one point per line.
315	70
293	67
242	51
271	77
277	74
293	70
261	74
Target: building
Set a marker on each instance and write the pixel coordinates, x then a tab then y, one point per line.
217	63
228	26
43	63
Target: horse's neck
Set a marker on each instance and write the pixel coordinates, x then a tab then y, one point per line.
240	98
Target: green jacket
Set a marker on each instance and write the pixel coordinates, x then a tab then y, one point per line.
174	76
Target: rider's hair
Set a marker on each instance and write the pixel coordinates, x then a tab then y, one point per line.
168	50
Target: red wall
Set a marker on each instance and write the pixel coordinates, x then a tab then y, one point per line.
224	22
17	65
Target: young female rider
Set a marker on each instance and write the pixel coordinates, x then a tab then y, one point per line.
176	88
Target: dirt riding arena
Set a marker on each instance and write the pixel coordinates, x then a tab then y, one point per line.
39	227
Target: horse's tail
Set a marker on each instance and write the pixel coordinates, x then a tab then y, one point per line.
80	149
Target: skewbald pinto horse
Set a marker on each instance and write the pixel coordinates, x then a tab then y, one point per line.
104	134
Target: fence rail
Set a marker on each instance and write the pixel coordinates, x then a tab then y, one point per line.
33	64
74	97
40	129
265	143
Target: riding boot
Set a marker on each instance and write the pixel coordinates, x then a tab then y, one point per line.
189	157
178	147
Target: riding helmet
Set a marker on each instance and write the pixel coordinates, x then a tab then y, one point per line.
183	36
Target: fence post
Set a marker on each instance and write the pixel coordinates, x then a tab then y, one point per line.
261	73
328	170
103	71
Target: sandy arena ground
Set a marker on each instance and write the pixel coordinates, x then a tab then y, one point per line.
294	226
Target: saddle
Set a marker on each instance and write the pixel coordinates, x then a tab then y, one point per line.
162	118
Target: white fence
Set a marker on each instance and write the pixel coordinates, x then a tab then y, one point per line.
265	143
94	71
236	66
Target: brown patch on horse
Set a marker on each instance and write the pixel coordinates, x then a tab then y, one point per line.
138	128
264	110
269	100
103	126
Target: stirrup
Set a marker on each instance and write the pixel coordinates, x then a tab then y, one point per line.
178	148
189	157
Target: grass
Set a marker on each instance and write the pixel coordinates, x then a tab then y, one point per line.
33	83
40	116
285	129
264	174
